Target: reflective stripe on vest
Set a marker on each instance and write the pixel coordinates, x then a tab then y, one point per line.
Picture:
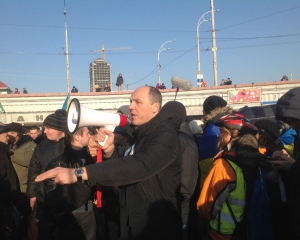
224	223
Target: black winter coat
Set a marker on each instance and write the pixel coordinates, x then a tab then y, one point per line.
150	177
72	196
9	182
45	152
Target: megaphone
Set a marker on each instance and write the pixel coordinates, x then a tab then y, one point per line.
81	116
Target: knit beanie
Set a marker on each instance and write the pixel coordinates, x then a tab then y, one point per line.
57	120
213	102
288	105
176	108
268	128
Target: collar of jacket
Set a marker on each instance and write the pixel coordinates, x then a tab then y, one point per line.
75	155
23	139
163	117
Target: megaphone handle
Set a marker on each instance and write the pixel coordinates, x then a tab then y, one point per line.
110	128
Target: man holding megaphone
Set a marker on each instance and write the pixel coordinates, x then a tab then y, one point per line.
149	176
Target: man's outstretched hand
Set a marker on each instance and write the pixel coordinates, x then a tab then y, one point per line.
61	175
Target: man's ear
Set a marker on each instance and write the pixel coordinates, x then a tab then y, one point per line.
76	137
156	107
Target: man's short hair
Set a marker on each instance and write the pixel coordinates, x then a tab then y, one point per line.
70	136
155	95
34	127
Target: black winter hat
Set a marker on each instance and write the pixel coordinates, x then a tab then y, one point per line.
15	127
213	102
176	108
57	120
268	128
288	105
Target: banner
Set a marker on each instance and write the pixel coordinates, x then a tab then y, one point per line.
244	96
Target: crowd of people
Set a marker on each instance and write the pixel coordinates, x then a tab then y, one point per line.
163	176
226	82
18	92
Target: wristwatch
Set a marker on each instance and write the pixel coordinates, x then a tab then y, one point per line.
79	172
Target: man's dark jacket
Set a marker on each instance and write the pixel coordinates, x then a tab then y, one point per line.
150	177
189	172
62	200
45	152
10	187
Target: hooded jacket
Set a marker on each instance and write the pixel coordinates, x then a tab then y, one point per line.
288	106
207	146
151	175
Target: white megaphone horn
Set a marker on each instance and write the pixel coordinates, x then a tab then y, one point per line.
81	116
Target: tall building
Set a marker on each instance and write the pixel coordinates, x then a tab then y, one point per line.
100	74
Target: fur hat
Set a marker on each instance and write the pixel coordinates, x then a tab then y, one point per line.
15	127
268	128
176	108
57	120
213	102
288	105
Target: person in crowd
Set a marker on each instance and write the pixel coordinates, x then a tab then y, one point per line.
119	82
268	143
123	141
49	148
162	86
16	91
288	111
150	174
189	168
107	88
34	131
10	189
284	78
223	196
222	82
287	136
196	127
203	83
228	81
158	85
214	107
98	88
70	207
22	148
25	91
74	90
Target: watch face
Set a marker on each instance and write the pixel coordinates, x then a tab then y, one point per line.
78	171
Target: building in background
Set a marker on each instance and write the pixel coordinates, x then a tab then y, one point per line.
4	89
100	74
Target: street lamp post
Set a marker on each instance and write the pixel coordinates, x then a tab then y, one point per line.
201	20
214	45
127	79
158	61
